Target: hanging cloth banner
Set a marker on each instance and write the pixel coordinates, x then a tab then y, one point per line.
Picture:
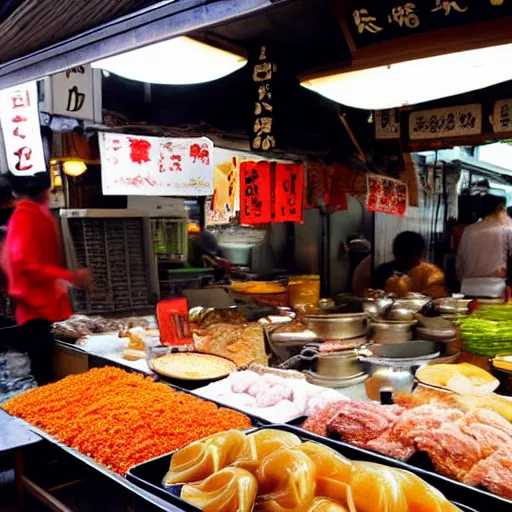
386	195
289	191
19	115
156	166
255	193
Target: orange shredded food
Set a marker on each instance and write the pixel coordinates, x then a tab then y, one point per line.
121	419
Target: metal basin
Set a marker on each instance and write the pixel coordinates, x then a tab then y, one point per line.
338	326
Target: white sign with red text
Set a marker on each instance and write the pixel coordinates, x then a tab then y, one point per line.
19	115
156	166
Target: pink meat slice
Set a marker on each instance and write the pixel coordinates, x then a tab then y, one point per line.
317	423
360	422
452	452
493	473
489	438
387	444
488	417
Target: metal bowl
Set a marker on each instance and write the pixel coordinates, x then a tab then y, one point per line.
451	306
502	374
338	326
386	331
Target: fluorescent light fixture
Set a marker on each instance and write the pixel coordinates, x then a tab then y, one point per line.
416	81
178	61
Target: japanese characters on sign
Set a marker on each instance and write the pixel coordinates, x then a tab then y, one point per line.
374	21
75	93
255	193
136	165
455	121
289	191
502	116
262	137
19	115
387	124
386	195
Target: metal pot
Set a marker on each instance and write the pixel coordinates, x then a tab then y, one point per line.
338	326
338	364
452	305
393	375
385	331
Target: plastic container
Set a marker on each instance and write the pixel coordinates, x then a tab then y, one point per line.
304	292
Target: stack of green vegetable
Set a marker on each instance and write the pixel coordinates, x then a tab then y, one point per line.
488	331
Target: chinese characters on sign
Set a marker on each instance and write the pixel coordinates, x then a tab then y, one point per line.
456	121
19	115
271	192
386	195
289	193
73	93
502	116
387	124
262	137
404	15
255	193
147	166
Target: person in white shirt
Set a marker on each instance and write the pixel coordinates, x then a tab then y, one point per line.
484	251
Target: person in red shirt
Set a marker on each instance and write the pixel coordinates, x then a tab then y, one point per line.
37	280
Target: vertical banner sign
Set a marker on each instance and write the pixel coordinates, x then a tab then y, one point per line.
315	196
262	136
502	116
156	166
255	193
289	191
386	195
19	115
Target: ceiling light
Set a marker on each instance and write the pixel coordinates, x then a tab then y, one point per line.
416	81
74	167
178	61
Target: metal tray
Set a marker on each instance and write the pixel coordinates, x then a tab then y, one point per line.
149	475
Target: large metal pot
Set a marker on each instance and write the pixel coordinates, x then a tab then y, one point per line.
338	326
452	305
385	331
336	364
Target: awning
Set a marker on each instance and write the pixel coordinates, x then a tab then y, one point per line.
79	31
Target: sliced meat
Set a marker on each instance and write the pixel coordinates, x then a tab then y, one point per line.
493	473
423	396
488	417
360	422
489	438
452	452
387	444
317	423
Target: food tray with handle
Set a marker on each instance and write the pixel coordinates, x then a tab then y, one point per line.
149	475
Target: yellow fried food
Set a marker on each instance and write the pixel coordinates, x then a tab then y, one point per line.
268	440
420	496
375	488
325	505
286	480
257	287
328	463
205	457
228	490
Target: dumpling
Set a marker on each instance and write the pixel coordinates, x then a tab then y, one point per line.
203	458
286	480
266	441
228	490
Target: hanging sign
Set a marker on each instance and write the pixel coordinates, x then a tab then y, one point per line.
255	193
315	195
502	116
155	166
376	21
387	124
289	192
458	121
75	93
262	137
19	115
386	195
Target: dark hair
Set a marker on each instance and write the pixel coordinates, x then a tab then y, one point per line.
30	186
5	190
491	203
408	242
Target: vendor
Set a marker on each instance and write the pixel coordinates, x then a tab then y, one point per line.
485	250
408	272
36	278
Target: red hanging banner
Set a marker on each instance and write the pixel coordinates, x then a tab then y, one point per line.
386	195
255	193
315	189
289	191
